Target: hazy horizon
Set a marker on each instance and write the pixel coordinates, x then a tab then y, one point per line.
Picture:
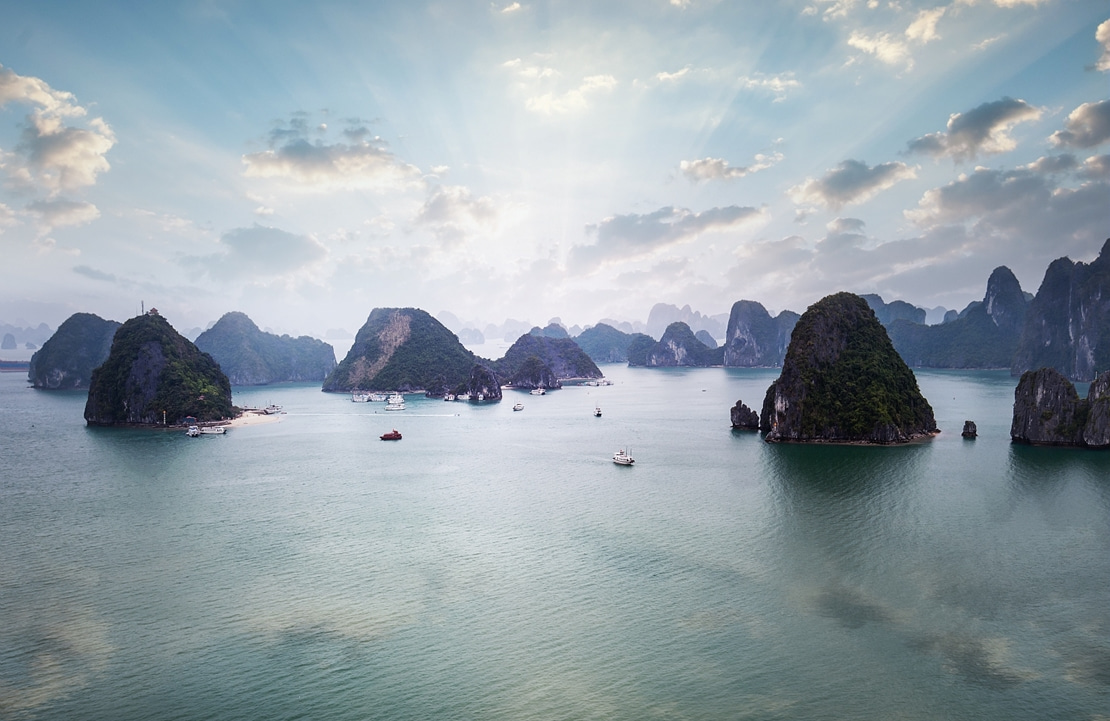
533	160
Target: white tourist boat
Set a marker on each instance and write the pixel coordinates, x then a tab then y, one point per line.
395	398
448	396
357	397
538	392
463	396
213	430
518	407
623	458
378	397
193	431
393	406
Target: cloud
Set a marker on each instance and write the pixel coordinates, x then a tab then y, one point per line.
316	164
1102	35
53	155
980	130
1095	167
778	84
94	273
850	182
574	100
60	213
258	251
845	225
1029	204
924	27
1087	126
631	236
7	218
884	46
665	77
717	169
511	8
451	212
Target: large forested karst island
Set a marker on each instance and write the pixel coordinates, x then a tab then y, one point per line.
250	356
67	359
1048	411
843	382
156	376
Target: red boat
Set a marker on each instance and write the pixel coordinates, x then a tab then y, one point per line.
393	435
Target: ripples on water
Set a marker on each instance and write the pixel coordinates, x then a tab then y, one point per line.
497	565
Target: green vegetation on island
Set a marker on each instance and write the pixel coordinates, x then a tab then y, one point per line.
250	356
67	360
402	349
842	381
152	375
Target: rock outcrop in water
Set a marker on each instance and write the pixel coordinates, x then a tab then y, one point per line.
1067	324
754	339
402	349
482	385
250	356
152	375
605	344
1048	411
842	381
744	417
69	357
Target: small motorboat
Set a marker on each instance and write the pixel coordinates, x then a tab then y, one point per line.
538	392
193	431
623	458
597	412
518	407
393	435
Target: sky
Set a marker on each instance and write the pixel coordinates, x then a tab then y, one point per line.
305	163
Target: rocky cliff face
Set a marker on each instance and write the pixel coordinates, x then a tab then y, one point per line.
754	339
403	349
1067	324
984	335
1048	411
842	381
68	358
482	384
680	347
534	373
249	356
153	375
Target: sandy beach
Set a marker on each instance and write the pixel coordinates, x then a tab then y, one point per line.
252	418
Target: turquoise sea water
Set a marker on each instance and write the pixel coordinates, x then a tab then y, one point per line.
497	565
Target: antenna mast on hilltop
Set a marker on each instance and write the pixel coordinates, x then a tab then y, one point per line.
142	307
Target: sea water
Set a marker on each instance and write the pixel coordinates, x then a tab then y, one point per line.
498	565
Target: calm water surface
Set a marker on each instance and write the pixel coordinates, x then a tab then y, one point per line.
497	565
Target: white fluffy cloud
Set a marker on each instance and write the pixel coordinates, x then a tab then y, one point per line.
717	169
54	154
1102	35
573	100
886	47
849	183
1087	126
984	129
